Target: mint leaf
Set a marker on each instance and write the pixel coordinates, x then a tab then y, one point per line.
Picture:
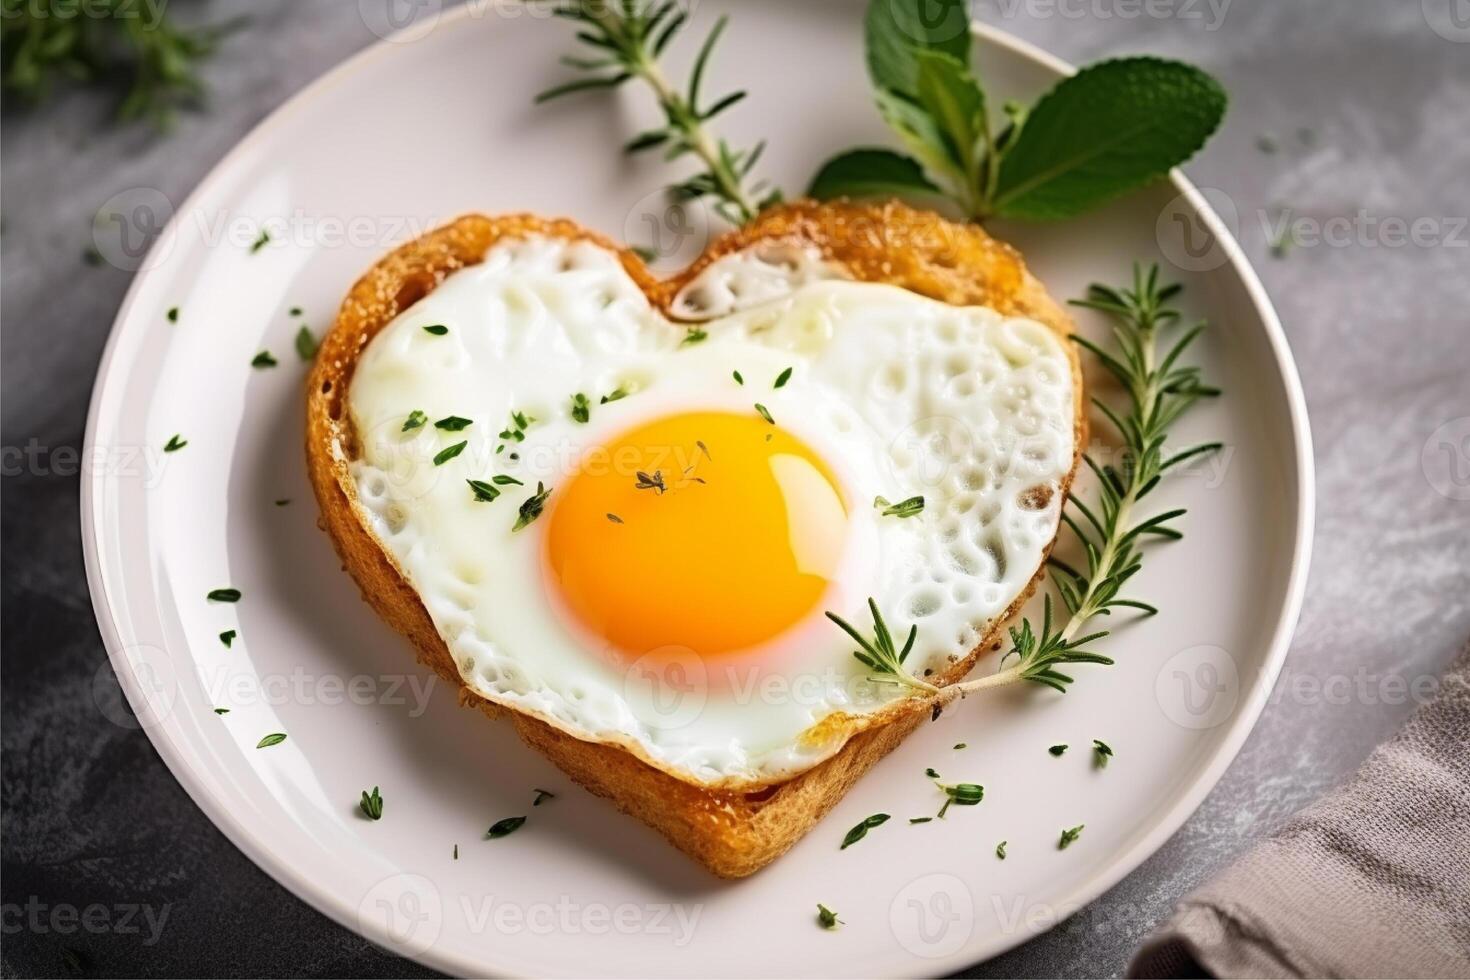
897	30
1111	128
870	173
920	134
952	97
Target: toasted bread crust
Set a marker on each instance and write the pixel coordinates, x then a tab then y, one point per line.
731	832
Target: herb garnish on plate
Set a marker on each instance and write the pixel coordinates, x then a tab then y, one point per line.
1111	128
626	40
371	804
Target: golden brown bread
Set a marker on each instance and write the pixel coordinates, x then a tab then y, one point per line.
732	833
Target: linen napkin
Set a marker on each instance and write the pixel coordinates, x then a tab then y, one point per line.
1373	880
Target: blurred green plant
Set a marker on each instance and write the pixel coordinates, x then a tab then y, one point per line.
125	45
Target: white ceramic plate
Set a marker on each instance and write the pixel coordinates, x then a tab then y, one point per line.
439	122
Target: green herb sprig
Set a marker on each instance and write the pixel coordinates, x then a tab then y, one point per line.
880	655
112	39
1111	128
627	38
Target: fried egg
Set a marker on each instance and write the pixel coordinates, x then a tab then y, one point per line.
633	526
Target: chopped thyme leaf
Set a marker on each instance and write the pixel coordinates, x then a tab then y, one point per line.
437	329
275	738
960	794
1000	850
224	595
484	492
265	359
449	453
616	519
532	507
694	336
228	637
221	711
456	852
543	794
502	480
1101	752
503	827
645	252
931	773
616	395
92	257
306	345
371	804
415	420
912	507
519	423
581	408
283	501
765	413
1068	836
738	379
782	378
826	918
959	745
1057	750
173	314
704	449
260	242
920	819
174	444
861	830
655	482
296	311
453	423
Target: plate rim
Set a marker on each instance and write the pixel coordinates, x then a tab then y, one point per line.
330	904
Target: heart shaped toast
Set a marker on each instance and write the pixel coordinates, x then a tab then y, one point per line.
615	508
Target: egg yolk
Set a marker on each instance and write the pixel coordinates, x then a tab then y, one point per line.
708	532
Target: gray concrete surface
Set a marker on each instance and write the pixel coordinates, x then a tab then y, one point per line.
1366	106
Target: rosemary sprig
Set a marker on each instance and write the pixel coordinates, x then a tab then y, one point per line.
628	37
109	42
880	655
1159	391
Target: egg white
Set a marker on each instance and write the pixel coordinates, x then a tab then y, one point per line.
899	394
